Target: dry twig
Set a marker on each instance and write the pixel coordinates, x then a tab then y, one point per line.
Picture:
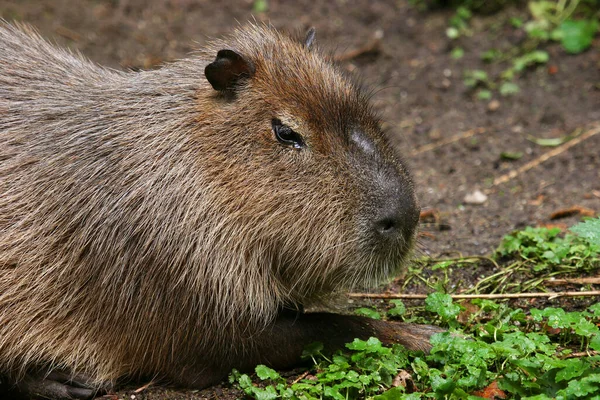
455	138
593	280
298	379
372	47
550	295
67	33
582	354
146	386
546	156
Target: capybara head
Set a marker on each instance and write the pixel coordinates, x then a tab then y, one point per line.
308	183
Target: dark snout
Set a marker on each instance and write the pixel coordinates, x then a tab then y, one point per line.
395	212
390	211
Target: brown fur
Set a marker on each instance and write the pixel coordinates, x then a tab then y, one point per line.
146	219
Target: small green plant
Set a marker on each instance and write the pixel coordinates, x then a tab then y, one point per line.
397	310
576	36
525	260
491	55
366	370
589	231
544	248
457	53
572	23
479	80
530	59
442	305
553	20
367	312
260	6
538	254
525	356
475	78
538	354
511	155
509	88
459	23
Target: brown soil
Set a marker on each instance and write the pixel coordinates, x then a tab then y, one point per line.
418	91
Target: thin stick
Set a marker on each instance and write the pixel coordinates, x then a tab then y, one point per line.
68	33
370	47
546	156
550	295
594	280
146	386
455	138
298	379
582	354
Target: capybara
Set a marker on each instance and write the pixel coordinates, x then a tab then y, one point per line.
173	223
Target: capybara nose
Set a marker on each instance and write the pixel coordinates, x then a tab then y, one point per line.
397	219
396	210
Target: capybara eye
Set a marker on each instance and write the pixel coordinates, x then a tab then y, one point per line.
285	135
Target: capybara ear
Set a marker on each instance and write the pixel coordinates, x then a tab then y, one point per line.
310	38
227	69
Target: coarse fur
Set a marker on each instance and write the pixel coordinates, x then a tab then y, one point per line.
146	218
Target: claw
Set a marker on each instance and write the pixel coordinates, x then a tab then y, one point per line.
58	385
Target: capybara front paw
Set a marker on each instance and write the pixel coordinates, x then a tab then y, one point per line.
59	385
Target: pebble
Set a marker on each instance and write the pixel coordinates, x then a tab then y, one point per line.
493	105
476	197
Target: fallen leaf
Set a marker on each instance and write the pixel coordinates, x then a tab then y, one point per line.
430	215
468	310
552	69
575	210
538	200
549	142
492	391
405	380
551	330
562	227
511	155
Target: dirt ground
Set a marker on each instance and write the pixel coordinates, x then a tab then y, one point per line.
419	93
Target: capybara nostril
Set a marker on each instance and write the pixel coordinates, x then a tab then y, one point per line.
387	226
